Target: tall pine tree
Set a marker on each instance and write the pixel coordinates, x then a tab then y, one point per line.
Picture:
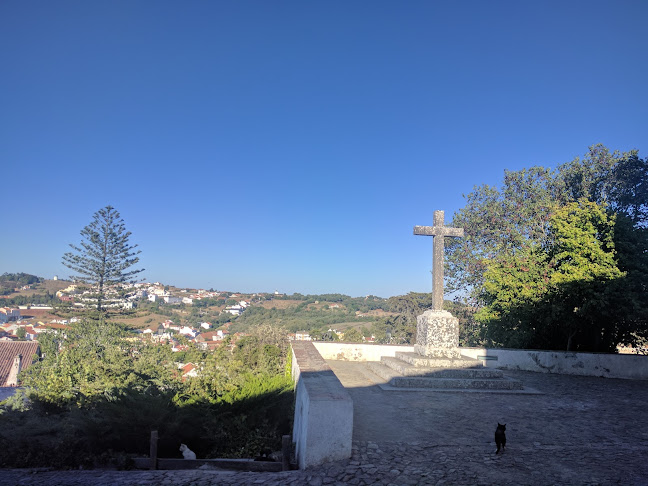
105	255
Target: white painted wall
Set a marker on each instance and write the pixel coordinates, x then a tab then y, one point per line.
358	352
323	423
626	366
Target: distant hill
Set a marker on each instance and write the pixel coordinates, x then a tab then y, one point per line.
13	280
25	289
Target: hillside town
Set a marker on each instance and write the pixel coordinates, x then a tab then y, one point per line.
27	323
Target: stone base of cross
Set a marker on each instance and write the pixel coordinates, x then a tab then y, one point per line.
437	335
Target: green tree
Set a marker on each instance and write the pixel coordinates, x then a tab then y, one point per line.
499	224
401	328
582	257
105	255
512	289
630	243
629	189
394	330
560	292
508	262
352	336
93	360
19	279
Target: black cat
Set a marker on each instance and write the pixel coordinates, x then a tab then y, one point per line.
500	437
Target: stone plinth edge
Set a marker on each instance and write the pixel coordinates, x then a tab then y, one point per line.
437	353
323	424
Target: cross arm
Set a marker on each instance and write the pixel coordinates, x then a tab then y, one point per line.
438	231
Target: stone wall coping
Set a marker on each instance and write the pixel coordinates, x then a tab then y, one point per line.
558	351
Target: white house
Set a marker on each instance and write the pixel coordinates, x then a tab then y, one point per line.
188	331
235	310
302	336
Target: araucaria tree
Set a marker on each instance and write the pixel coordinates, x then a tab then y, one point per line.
105	256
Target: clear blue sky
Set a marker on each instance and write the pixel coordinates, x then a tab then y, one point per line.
291	145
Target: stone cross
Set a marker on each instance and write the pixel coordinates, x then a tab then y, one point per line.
439	231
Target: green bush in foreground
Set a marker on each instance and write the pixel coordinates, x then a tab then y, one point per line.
98	393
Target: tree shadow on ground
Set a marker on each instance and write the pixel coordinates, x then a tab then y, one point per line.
108	431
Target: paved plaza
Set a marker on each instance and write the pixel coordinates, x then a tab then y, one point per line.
579	431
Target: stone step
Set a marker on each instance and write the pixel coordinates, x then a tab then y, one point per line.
456	383
397	380
407	369
416	359
383	371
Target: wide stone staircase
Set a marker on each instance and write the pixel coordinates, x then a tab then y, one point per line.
412	370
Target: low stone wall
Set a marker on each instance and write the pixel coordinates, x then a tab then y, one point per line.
215	464
323	425
358	351
626	366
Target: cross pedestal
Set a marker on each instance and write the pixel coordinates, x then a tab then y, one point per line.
437	335
437	331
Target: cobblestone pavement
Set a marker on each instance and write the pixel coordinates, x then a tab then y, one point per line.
581	431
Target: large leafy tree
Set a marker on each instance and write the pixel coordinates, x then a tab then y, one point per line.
499	224
583	274
510	259
104	256
558	295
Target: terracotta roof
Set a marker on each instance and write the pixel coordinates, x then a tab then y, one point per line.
211	335
54	325
8	352
211	345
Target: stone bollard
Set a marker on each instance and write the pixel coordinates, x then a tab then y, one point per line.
154	449
286	446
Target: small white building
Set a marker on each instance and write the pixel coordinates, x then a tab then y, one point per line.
303	336
235	310
188	331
